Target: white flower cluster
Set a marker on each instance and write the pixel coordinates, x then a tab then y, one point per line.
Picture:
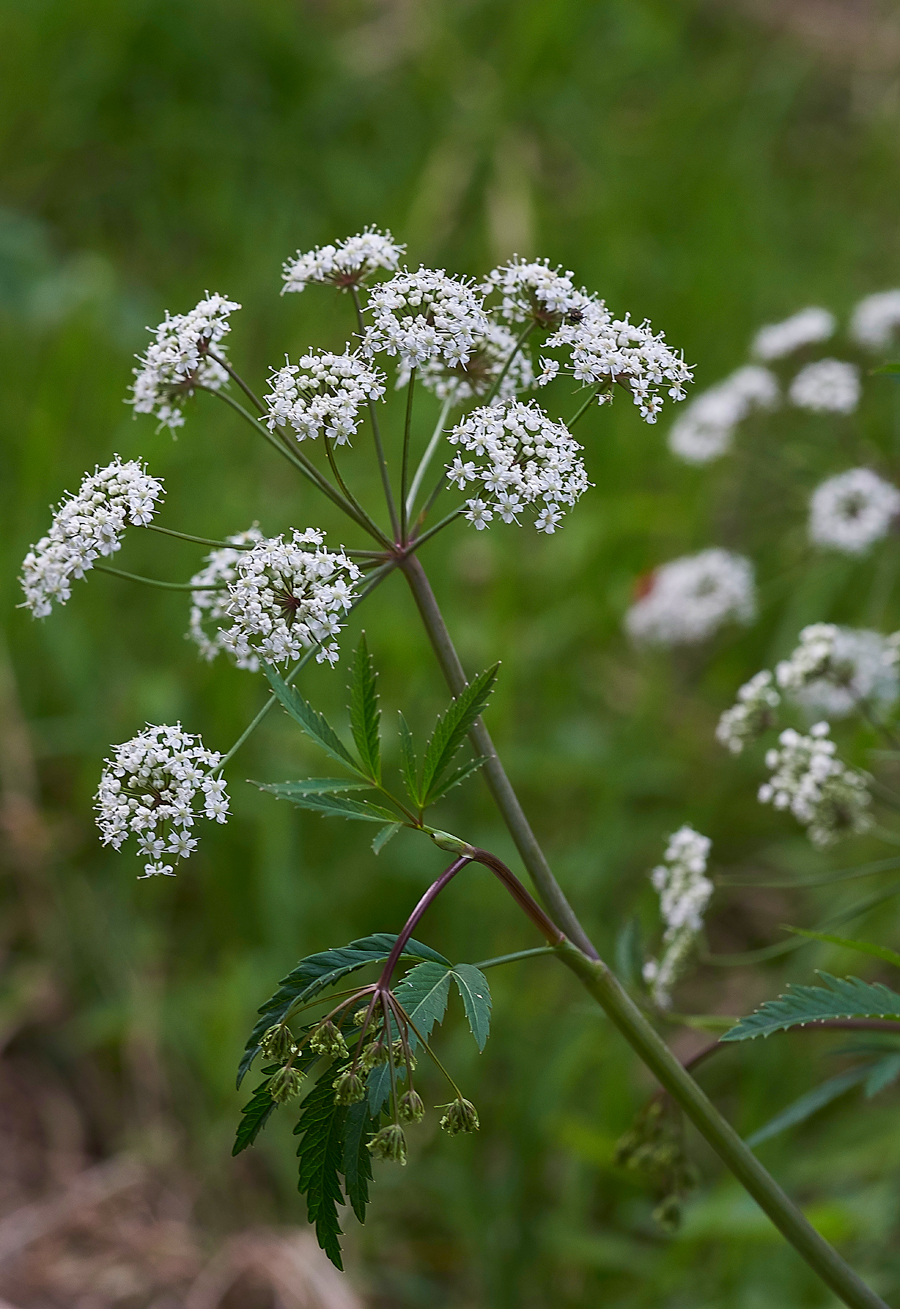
84	528
521	458
178	360
705	429
750	715
684	892
828	386
828	798
468	381
807	327
212	606
853	510
688	599
344	264
605	350
875	320
837	670
287	597
535	291
425	315
150	787
323	393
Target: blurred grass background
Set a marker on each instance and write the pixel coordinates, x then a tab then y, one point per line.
708	165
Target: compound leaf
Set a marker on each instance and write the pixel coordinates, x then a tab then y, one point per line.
365	716
454	778
408	766
314	724
387	832
452	728
476	997
321	1155
840	997
314	786
334	806
357	1162
423	993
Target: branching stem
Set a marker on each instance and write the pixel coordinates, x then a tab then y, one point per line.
427	457
404	464
376	433
197	540
154	581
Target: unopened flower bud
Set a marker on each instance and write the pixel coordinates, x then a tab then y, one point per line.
376	1052
411	1108
277	1043
460	1116
286	1084
389	1143
326	1039
360	1016
348	1088
400	1053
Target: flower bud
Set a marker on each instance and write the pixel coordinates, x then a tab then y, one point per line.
326	1039
389	1143
349	1088
376	1052
360	1016
460	1116
277	1043
411	1108
399	1054
286	1084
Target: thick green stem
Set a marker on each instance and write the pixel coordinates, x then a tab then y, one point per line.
787	1217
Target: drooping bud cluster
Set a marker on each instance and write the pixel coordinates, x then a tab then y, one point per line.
807	327
705	430
490	355
323	392
828	798
178	360
838	670
655	1146
460	1115
423	316
751	715
853	510
287	597
522	458
689	599
211	606
86	527
150	788
346	263
390	1144
829	386
684	892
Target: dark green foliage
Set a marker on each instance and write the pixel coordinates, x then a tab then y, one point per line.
387	833
408	764
321	1154
358	1128
451	730
365	716
840	997
630	953
313	723
876	1077
332	805
476	997
423	993
254	1116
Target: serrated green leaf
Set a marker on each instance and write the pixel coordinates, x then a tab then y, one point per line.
357	1162
321	1155
882	1075
810	1103
840	997
254	1116
314	724
378	1086
332	805
314	786
386	834
365	716
452	728
408	765
423	993
317	971
864	947
454	778
476	997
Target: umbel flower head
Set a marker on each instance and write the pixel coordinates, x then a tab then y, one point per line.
323	392
690	598
346	263
178	360
522	458
840	670
828	798
751	715
875	320
532	290
211	607
85	527
287	597
151	787
705	429
423	316
684	892
853	510
468	381
605	350
828	386
807	327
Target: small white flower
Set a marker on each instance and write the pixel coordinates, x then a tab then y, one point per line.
323	393
425	316
287	597
705	429
85	527
804	328
178	361
853	510
533	290
209	607
751	715
692	597
829	386
838	670
344	264
522	458
475	377
478	514
875	320
150	786
828	798
684	893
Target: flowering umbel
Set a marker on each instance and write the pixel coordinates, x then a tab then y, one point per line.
178	361
828	798
322	393
423	316
151	787
853	510
690	598
210	606
345	263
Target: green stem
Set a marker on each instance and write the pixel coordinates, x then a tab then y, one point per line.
787	1217
404	465
197	540
373	527
515	956
598	979
438	527
153	581
427	457
236	377
498	380
584	408
376	434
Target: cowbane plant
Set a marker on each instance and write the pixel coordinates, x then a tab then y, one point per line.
340	1042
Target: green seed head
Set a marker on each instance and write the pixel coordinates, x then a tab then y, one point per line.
411	1108
348	1088
460	1116
389	1143
326	1039
277	1043
286	1084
